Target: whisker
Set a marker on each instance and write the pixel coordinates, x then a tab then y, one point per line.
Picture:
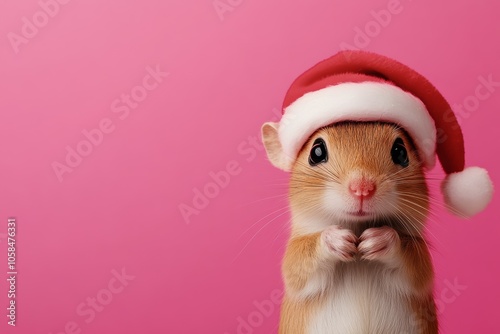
258	221
263	199
430	217
256	233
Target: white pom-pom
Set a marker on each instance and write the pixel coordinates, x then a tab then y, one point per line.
468	192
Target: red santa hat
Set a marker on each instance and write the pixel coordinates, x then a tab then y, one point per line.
362	86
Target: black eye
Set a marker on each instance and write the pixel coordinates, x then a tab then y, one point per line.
399	153
318	152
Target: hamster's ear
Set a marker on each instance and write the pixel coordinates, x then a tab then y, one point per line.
274	150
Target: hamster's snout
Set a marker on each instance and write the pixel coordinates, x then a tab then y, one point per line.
362	188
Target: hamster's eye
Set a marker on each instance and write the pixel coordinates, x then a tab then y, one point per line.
399	153
318	152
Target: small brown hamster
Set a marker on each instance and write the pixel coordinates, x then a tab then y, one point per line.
357	260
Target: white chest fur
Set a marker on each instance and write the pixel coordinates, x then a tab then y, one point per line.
364	298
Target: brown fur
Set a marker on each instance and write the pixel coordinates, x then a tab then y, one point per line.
364	148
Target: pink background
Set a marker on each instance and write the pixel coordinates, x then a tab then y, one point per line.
119	208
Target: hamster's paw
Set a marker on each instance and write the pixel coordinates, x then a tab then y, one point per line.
380	243
339	243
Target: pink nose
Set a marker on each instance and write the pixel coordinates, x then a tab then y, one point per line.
362	188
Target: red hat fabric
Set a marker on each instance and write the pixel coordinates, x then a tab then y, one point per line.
363	86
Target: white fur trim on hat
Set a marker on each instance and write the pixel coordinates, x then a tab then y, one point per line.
364	101
468	192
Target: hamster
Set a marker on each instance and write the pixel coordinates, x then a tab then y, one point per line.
357	261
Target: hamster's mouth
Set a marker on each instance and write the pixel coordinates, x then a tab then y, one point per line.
359	213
